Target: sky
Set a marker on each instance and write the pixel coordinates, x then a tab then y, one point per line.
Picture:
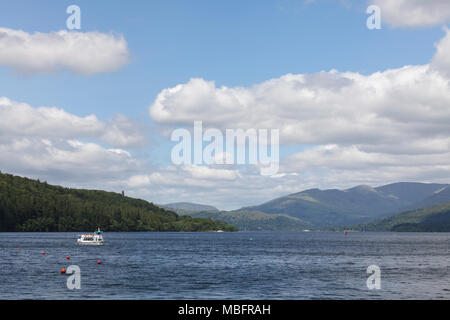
95	107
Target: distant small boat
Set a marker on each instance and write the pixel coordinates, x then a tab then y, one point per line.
95	238
306	230
219	231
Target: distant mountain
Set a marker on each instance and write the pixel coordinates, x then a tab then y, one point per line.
253	220
361	204
243	220
183	207
432	219
440	196
411	192
31	205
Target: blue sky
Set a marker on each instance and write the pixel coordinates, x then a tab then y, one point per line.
236	44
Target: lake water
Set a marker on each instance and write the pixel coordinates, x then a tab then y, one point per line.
241	265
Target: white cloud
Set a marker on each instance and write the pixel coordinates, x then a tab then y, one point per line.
441	60
184	176
138	181
124	132
22	120
322	108
345	166
355	158
414	13
202	172
70	161
80	52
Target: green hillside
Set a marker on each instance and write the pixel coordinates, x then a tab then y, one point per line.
184	207
30	205
432	219
361	204
253	220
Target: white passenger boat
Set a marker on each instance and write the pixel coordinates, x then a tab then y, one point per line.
95	238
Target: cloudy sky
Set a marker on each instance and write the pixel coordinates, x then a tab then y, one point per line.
95	107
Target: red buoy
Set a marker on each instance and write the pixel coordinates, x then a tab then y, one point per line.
43	252
67	257
63	270
99	262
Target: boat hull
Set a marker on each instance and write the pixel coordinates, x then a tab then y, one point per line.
90	243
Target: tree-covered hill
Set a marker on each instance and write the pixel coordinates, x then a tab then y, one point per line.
183	208
432	219
31	205
253	220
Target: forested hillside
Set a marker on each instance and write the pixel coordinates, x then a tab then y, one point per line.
432	219
253	220
31	205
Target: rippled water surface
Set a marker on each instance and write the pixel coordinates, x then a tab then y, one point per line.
242	265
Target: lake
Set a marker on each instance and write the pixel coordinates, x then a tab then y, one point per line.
240	265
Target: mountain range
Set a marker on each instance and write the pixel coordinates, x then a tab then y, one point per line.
322	209
361	204
243	220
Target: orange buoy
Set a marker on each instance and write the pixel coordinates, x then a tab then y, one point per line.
63	270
